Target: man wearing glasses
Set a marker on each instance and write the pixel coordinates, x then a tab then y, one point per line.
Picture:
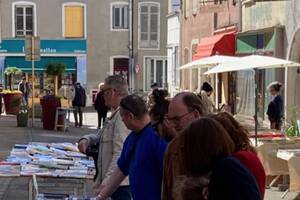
109	141
183	109
142	154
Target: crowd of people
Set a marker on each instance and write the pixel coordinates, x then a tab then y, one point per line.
171	149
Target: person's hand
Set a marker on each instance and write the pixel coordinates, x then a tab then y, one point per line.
98	189
83	145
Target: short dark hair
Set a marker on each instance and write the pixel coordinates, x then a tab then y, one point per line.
193	102
205	142
154	85
206	87
135	105
159	110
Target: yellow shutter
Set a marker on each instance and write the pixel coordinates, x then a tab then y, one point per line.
74	21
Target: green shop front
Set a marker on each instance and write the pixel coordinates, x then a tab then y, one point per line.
72	53
267	42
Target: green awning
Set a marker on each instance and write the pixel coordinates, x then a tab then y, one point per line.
40	66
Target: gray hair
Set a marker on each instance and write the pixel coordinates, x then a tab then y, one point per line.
118	83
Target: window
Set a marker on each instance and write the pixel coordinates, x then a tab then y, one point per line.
156	70
186	8
74	21
175	5
121	67
120	16
24	20
195	7
149	25
203	2
219	1
194	49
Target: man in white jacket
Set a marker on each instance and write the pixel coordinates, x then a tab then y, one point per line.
111	137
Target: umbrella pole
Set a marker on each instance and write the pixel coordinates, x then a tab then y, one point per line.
256	105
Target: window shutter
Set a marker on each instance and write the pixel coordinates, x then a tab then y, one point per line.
74	21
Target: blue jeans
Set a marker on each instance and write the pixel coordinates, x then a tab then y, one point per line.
122	193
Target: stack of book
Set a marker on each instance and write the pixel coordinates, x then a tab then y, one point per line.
47	159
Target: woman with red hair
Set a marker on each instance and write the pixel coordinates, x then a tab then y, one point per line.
244	152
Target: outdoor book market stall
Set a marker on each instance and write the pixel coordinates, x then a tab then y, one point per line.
53	169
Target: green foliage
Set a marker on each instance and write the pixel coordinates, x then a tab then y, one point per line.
292	128
55	69
12	71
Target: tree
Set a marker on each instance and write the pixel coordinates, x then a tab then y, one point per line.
54	70
11	72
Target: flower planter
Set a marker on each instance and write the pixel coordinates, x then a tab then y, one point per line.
12	102
49	107
22	119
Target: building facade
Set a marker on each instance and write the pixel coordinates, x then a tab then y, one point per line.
150	43
92	38
173	43
271	28
203	21
62	28
292	39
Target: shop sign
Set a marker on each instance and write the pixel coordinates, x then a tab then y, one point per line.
46	46
32	48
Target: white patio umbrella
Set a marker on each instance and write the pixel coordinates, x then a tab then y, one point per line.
252	62
255	62
211	61
208	62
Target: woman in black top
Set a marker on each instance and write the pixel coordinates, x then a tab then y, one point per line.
275	108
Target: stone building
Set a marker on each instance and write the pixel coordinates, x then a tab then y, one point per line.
92	38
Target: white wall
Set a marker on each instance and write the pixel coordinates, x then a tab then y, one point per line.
173	30
173	42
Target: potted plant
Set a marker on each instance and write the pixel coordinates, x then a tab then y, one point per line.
22	116
12	98
292	127
51	102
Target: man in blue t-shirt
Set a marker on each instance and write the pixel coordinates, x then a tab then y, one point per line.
142	154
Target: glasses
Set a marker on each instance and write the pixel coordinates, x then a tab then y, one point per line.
105	90
177	119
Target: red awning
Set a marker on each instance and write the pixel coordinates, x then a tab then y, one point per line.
223	44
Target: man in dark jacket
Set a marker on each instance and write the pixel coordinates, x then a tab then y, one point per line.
24	88
78	103
100	106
